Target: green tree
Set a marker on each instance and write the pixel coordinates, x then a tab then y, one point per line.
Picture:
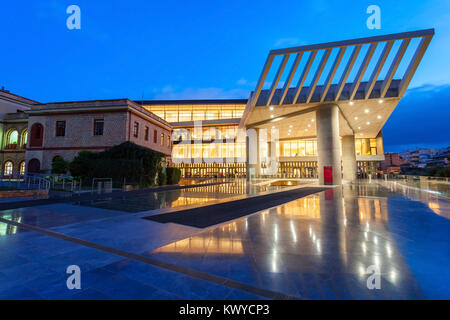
60	166
81	164
173	175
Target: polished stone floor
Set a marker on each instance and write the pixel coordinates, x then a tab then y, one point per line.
316	247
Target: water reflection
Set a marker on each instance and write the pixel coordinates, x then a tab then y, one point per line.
8	229
174	198
439	203
335	233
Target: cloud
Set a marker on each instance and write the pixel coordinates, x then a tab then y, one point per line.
170	92
288	42
242	82
420	119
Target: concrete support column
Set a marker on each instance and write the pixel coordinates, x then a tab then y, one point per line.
258	154
349	158
247	158
251	150
328	142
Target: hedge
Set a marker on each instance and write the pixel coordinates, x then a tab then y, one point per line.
126	162
173	175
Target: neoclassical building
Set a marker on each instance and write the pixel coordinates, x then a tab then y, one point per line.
35	134
317	111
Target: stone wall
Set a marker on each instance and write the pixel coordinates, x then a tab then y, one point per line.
79	135
140	139
17	154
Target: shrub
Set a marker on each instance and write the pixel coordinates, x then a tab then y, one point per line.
161	177
81	164
125	162
60	166
173	175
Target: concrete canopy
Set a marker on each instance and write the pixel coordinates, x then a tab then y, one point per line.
365	77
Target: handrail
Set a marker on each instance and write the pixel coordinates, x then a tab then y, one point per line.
23	181
61	181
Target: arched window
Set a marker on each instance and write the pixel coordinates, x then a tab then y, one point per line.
22	168
34	165
24	138
8	168
37	133
12	139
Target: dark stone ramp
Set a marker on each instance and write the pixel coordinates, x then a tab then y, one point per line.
206	216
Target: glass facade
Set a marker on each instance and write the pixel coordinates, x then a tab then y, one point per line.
297	148
192	170
205	133
366	147
186	112
200	152
208	150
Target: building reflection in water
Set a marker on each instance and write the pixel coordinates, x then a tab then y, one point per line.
7	229
220	243
426	192
334	231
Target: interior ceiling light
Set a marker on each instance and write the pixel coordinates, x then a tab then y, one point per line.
379	117
351	103
366	111
380	101
356	118
270	108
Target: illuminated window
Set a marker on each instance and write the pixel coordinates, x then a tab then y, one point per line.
162	139
172	116
310	148
159	113
196	150
177	113
211	115
13	137
24	138
226	114
22	168
297	148
198	115
185	116
8	168
168	141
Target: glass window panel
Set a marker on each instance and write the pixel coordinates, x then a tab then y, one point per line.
287	149
172	116
309	148
185	116
373	143
198	115
211	115
358	147
226	114
301	148
294	149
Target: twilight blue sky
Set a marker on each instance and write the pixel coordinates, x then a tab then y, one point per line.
209	49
